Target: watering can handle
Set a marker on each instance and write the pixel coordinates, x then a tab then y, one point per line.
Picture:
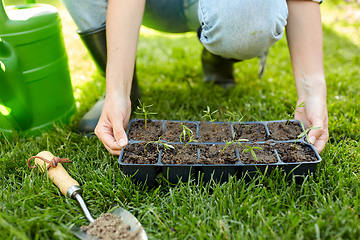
3	16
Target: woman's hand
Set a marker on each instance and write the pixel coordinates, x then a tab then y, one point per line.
314	114
123	23
113	121
304	35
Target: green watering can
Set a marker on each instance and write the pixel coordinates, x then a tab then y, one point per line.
35	83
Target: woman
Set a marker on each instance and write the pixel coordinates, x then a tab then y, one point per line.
229	31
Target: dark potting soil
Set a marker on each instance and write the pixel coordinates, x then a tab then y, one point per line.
152	132
251	132
136	154
173	131
216	132
210	154
264	156
213	154
280	131
111	227
180	155
300	153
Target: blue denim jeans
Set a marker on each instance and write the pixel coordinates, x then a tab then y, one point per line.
237	29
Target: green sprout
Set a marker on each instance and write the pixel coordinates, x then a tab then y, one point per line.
251	149
166	146
228	143
233	116
192	139
292	115
143	111
209	114
185	132
305	132
247	127
239	141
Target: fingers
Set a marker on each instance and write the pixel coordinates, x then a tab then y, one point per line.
112	152
321	141
314	134
112	135
319	137
119	133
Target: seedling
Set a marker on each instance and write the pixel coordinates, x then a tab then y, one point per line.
185	132
144	111
233	116
305	132
228	143
247	127
251	149
239	141
209	114
166	146
292	115
191	139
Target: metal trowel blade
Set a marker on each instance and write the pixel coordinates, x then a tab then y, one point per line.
125	215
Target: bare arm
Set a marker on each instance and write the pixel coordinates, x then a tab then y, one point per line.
304	34
122	32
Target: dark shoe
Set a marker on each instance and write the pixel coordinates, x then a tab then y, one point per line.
91	118
218	69
95	42
262	62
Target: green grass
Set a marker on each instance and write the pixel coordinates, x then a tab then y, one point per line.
325	206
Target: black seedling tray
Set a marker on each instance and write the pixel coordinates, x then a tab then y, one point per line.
220	172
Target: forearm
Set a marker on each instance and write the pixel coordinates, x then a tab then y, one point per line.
122	32
304	34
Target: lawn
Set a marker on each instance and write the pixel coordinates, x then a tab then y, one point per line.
324	206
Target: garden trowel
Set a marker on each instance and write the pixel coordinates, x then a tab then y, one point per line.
71	188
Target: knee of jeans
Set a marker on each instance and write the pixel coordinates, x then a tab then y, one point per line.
236	37
87	14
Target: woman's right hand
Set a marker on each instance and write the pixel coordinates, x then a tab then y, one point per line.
113	121
123	21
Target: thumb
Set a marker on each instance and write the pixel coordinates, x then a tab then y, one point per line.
316	133
120	134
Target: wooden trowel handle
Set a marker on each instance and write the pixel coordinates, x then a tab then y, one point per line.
58	175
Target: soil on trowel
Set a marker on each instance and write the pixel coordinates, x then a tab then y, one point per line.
180	155
264	155
214	154
110	227
173	132
214	132
251	132
284	130
152	132
136	154
299	153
